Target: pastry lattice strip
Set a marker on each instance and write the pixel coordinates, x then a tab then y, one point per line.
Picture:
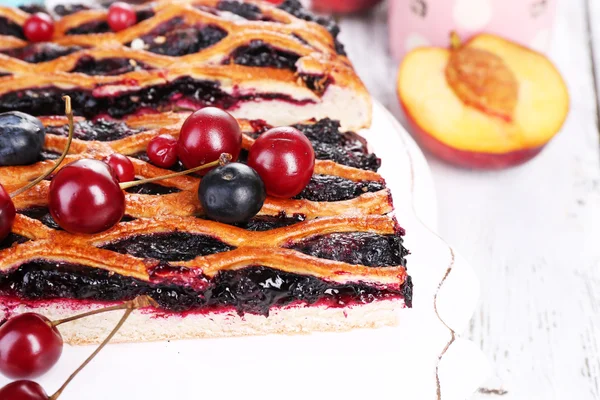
252	248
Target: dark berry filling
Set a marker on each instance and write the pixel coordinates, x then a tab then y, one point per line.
364	248
250	290
42	214
40	52
152	188
295	8
48	155
267	222
48	101
144	13
334	188
260	54
34	8
174	246
245	10
97	26
68	9
108	66
12	239
102	130
175	38
10	28
346	148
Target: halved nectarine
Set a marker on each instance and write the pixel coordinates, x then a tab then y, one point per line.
489	103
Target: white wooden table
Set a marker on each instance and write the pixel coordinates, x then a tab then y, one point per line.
533	232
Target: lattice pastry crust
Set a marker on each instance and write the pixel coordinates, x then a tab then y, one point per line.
320	83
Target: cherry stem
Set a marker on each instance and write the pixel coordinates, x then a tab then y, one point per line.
90	313
455	41
223	159
40	178
130	306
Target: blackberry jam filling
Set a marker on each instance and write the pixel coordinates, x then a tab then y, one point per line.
182	41
260	54
267	222
295	8
245	10
108	66
68	9
34	8
346	148
334	188
174	38
48	155
42	214
40	52
102	130
362	248
174	246
98	26
47	101
250	290
11	239
152	189
10	28
144	14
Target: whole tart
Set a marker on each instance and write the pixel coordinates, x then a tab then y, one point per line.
330	259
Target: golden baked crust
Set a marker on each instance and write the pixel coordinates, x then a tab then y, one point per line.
319	67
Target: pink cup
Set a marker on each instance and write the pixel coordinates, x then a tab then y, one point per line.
416	23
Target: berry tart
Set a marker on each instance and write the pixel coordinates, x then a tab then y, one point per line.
245	57
275	221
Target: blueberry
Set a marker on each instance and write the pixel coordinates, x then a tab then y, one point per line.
232	193
21	138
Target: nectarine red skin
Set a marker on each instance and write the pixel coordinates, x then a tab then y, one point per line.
470	159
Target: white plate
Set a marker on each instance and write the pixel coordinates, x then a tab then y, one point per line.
421	359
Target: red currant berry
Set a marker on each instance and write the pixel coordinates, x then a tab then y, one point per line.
121	16
29	346
206	134
85	197
121	166
285	160
23	390
162	151
7	213
39	27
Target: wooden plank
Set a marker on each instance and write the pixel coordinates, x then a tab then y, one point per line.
530	232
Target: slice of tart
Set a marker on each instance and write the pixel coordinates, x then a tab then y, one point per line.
329	259
245	57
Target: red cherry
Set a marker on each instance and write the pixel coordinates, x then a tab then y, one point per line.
162	151
285	160
206	134
39	27
29	346
23	390
7	213
122	167
121	16
85	197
